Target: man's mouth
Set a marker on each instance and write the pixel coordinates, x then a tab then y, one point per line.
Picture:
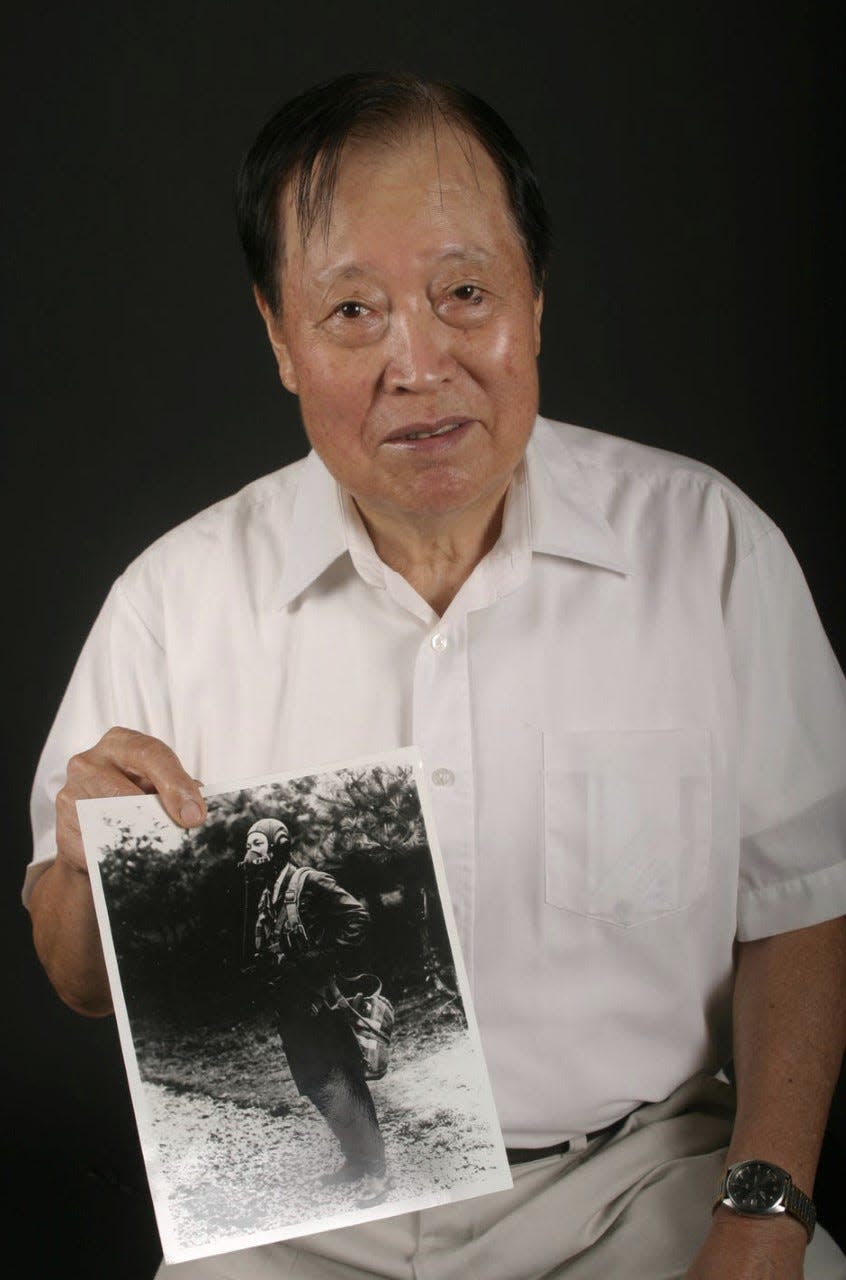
424	431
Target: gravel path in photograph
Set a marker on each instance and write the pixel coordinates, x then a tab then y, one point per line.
226	1170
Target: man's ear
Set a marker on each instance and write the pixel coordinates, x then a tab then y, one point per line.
538	306
275	332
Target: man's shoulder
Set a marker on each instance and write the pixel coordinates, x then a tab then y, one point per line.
322	884
314	878
239	533
617	467
245	512
621	454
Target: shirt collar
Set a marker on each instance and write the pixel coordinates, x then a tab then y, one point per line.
566	518
316	537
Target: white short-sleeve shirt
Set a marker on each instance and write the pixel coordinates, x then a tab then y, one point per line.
633	722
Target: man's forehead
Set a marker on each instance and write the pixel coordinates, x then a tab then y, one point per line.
460	195
445	163
351	269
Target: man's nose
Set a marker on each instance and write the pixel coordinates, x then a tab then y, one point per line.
419	352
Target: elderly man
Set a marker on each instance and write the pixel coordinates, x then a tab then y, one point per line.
608	656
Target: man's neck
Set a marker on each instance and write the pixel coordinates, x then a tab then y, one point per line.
436	555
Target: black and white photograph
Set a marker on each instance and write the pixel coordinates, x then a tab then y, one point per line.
293	1009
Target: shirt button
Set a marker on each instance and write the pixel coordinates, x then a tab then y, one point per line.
443	777
439	642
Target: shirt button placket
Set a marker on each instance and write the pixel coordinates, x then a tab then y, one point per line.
442	732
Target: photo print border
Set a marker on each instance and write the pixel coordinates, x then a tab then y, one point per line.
287	1082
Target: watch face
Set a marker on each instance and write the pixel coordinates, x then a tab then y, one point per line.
755	1186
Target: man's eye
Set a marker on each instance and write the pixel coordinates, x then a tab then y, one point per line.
467	293
350	310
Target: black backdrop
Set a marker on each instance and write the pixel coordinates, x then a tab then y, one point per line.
690	156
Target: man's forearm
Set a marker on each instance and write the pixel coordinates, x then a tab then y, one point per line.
789	1037
64	923
67	939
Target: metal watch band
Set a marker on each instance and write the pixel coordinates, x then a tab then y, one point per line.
802	1207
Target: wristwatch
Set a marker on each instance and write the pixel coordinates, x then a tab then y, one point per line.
758	1189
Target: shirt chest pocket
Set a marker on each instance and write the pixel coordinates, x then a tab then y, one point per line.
627	821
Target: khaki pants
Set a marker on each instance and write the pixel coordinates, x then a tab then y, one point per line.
635	1206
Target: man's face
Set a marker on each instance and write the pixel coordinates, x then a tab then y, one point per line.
258	849
414	314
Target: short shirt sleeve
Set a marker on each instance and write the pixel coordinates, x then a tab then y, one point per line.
792	747
120	678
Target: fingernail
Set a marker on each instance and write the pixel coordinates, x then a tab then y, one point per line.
191	814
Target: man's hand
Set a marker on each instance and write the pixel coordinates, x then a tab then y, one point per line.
123	763
739	1248
64	923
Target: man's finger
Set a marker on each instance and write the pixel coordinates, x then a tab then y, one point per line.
155	765
89	779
